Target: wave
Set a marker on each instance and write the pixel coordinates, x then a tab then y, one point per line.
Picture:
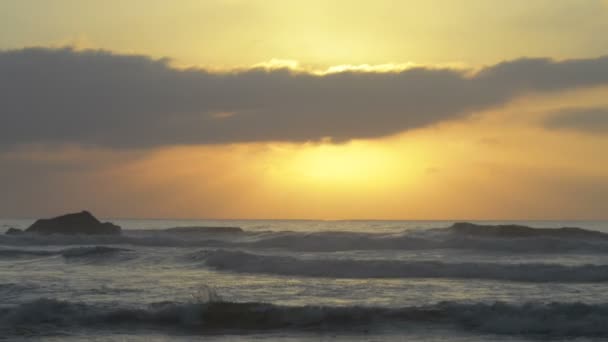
135	238
460	236
93	251
519	231
242	262
508	238
551	320
205	230
68	253
23	253
342	241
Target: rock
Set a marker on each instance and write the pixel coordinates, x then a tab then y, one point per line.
13	231
78	223
206	230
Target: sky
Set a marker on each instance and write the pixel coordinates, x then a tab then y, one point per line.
270	109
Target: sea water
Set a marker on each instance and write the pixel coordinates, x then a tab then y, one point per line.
304	281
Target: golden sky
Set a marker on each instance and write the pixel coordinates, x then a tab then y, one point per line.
468	109
228	33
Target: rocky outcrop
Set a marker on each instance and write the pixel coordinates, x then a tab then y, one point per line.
13	231
78	223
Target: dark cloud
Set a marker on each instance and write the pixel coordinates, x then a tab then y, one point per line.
586	120
104	99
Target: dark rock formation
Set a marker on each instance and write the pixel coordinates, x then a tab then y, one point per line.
13	231
518	231
77	223
206	230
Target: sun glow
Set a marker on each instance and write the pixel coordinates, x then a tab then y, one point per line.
347	164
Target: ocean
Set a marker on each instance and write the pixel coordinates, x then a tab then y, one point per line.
306	281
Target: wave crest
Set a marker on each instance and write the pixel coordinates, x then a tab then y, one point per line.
242	262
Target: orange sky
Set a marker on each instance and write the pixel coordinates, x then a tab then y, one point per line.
537	154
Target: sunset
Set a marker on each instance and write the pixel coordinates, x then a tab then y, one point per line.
330	141
408	103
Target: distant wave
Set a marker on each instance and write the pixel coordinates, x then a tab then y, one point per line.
519	231
92	251
23	253
509	238
439	239
205	230
138	238
44	316
461	236
76	252
242	262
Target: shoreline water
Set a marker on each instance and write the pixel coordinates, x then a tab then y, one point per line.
311	283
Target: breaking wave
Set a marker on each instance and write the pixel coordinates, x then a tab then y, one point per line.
551	320
242	262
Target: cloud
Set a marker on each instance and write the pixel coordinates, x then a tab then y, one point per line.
586	120
98	98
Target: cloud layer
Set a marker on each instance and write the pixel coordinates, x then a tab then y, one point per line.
103	99
585	120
